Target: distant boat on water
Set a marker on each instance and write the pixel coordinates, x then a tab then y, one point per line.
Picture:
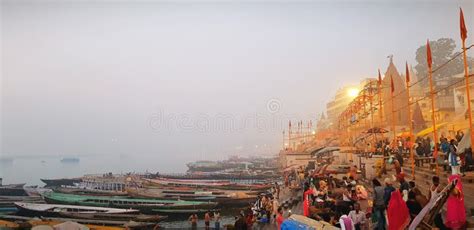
70	160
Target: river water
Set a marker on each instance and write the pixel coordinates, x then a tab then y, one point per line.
31	169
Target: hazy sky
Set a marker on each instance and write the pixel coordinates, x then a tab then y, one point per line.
187	80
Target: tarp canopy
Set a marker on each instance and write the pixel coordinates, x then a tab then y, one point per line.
314	150
361	138
325	150
69	225
430	129
302	222
291	168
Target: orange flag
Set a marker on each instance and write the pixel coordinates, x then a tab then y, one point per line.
462	25
428	54
407	72
392	86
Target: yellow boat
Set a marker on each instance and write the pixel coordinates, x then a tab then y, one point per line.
98	227
90	226
9	224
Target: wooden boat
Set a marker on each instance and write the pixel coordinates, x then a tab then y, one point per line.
108	216
92	224
61	182
8	224
144	205
52	223
190	182
209	184
182	211
219	176
87	191
12	190
35	191
73	160
222	197
56	210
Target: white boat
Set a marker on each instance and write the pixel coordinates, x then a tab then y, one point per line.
58	208
35	191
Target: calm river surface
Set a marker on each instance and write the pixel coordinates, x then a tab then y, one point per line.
30	169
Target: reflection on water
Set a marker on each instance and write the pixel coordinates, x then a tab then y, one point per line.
30	169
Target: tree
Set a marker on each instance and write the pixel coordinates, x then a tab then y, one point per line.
442	50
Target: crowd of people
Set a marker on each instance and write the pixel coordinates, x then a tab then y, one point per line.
449	156
395	203
349	203
265	211
335	201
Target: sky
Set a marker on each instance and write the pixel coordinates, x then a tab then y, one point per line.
190	80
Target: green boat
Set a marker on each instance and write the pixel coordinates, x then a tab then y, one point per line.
144	205
184	211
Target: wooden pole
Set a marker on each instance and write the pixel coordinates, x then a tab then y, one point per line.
435	134
463	31
371	95
380	101
289	134
412	140
283	143
393	114
466	76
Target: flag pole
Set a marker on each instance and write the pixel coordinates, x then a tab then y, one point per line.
432	93
412	140
371	97
350	133
466	72
393	112
283	143
380	101
289	134
379	86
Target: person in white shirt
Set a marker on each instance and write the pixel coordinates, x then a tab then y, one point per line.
346	223
358	217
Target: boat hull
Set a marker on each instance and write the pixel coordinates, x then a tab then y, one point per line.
35	209
61	182
204	185
12	191
120	217
89	192
144	205
223	198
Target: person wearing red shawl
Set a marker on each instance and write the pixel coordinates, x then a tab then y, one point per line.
397	212
456	212
306	198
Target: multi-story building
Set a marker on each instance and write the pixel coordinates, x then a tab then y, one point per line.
342	98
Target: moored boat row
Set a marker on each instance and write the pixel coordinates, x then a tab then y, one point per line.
144	205
146	199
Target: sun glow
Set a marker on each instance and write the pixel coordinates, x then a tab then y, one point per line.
352	92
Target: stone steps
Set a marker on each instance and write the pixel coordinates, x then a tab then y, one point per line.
423	181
